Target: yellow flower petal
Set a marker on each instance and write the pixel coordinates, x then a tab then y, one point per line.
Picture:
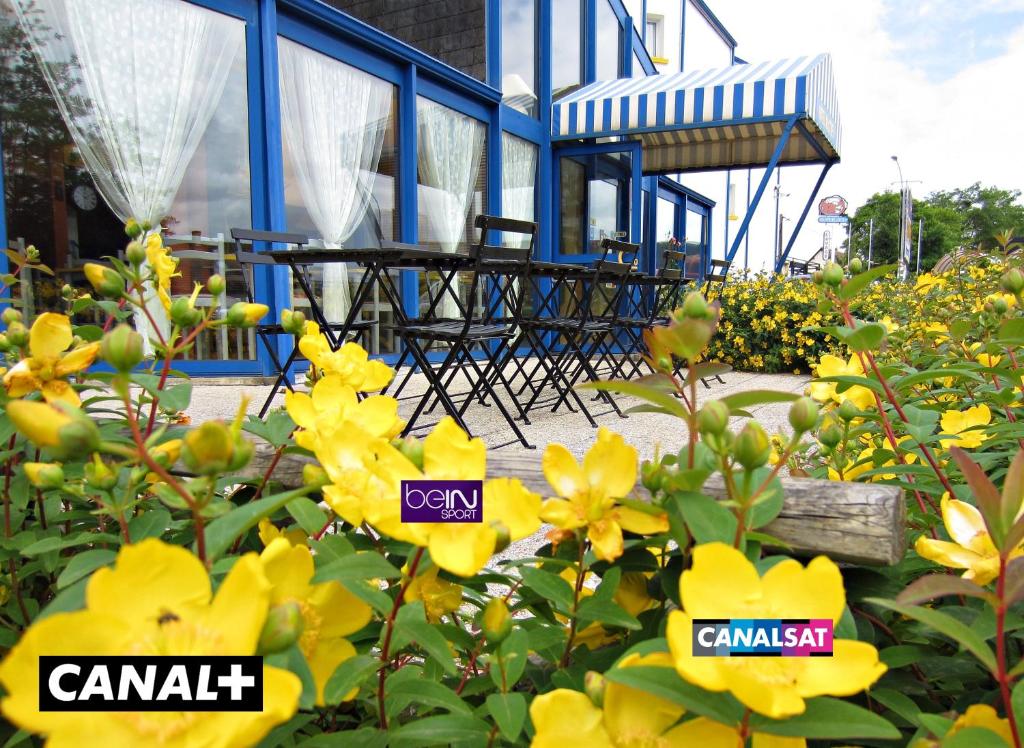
814	591
77	360
632	713
561	513
449	453
239	609
562	472
946	553
59	391
718	567
462	548
963	521
610	465
564	717
702	671
852	667
641	523
50	335
330	653
508	501
606	538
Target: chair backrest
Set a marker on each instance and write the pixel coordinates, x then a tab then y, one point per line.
246	260
510	294
719	275
614	269
668	292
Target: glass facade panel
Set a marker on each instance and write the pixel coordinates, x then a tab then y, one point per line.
594	201
453	31
573	206
566	46
452	189
608	42
665	236
340	171
53	202
696	242
519	55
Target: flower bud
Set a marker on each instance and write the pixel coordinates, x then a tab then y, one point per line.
293	322
44	474
496	620
68	292
132	228
184	314
818	277
651	476
412	448
5	344
1000	306
122	348
167	453
502	536
856	265
209	449
244	314
848	411
752	448
31	253
135	253
215	285
594	687
832	274
803	415
17	334
10	314
831	435
314	475
105	280
65	430
713	418
1012	281
242	454
98	474
695	306
282	628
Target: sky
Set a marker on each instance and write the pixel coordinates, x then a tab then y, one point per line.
935	82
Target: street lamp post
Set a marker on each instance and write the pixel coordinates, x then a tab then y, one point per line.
904	270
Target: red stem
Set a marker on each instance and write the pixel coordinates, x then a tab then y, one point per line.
1003	678
385	650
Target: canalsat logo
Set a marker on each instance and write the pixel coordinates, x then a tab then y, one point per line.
150	684
762	637
442	501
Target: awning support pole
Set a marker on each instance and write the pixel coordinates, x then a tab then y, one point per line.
799	224
776	155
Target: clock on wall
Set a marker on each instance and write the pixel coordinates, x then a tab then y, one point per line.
84	197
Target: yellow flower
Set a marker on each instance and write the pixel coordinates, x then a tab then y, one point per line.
888	323
707	733
329	611
833	366
332	411
48	366
982	715
608	473
926	281
964	424
440	597
972	548
254	313
984	359
269	532
350	362
156	600
722	583
163	265
629	717
39	422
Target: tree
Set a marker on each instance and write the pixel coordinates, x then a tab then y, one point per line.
986	211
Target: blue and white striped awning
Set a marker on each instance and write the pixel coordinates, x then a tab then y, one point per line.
712	119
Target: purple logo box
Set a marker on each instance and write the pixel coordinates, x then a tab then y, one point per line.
442	501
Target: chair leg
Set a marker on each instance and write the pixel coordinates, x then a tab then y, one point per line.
497	401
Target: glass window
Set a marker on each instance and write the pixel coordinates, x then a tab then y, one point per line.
594	201
652	42
566	46
453	31
518	178
452	187
52	199
340	169
608	42
696	241
519	55
665	237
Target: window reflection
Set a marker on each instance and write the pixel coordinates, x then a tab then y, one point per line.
566	46
608	42
519	55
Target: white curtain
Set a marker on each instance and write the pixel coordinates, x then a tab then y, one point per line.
449	147
518	182
136	82
334	120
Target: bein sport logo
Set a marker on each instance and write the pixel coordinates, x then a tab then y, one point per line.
762	637
442	501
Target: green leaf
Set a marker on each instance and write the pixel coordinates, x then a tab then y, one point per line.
1012	331
348	675
411	626
549	586
947	625
902	655
749	398
223	531
177	397
83	564
1017	701
903	384
357	568
422	692
932	586
444	729
974	737
69	599
707	520
293	660
665	683
859	282
509	712
826	718
514	652
605	611
867	337
899	703
658	397
150	524
308	514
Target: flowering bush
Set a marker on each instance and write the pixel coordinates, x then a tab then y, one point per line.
130	532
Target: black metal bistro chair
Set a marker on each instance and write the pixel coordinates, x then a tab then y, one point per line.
487	328
267	333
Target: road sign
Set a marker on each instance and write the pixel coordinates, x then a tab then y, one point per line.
833	219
